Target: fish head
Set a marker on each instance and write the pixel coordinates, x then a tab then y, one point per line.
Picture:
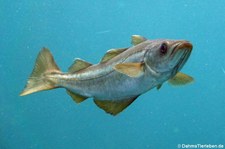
167	56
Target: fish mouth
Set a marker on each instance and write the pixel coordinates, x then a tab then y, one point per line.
180	46
180	54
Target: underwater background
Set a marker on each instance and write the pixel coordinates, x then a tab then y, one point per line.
192	114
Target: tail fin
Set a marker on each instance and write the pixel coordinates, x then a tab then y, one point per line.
37	81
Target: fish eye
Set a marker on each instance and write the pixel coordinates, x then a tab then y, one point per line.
163	49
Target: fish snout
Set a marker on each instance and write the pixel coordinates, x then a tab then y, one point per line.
181	46
180	54
185	45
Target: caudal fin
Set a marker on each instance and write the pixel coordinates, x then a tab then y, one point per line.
37	81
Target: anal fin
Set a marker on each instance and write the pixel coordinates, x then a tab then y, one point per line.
76	97
114	106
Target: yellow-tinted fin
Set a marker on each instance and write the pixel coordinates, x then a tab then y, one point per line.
180	79
130	69
136	39
79	64
114	107
112	53
76	97
37	81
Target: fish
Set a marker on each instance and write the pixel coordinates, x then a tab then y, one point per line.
122	75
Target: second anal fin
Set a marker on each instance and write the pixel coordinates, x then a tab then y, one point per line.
76	97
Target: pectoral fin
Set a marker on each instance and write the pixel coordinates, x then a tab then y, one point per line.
180	79
130	69
112	106
76	97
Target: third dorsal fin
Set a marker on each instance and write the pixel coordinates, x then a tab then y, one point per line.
79	64
112	53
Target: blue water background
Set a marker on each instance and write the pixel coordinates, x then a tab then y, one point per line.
193	114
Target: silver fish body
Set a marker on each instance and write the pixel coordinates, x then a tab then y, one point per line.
119	78
103	82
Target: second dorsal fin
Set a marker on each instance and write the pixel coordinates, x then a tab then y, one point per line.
112	53
79	64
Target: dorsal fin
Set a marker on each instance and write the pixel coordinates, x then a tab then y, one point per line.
79	64
114	106
136	39
76	97
112	53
